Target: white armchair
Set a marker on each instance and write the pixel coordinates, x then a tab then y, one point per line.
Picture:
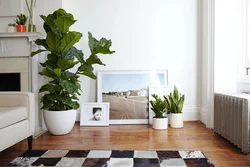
17	118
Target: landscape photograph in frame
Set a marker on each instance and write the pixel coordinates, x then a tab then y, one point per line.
127	93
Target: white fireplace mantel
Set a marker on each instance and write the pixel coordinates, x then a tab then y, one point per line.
30	35
19	46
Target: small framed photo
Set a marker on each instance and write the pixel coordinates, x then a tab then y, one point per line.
94	114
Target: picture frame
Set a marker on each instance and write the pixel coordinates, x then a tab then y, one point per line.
127	93
94	114
160	91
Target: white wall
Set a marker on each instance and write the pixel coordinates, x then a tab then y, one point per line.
146	35
42	7
45	7
228	44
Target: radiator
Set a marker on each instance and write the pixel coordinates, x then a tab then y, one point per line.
232	118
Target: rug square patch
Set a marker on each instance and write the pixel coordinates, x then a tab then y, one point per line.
55	154
99	154
33	153
122	154
191	154
168	154
76	162
146	162
77	153
145	154
22	161
198	162
96	162
121	162
46	162
172	162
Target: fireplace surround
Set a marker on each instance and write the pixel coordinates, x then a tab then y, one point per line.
15	62
10	82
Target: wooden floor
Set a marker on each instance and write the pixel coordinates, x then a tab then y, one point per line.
194	136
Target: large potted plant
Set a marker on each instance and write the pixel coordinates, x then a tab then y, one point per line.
175	103
158	106
60	94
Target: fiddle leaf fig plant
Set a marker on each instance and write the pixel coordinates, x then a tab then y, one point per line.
158	106
175	101
65	63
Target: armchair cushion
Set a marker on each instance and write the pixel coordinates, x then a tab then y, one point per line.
12	115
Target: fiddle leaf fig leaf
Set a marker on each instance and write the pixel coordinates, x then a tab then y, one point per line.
66	64
69	86
49	88
57	71
102	46
87	70
36	52
77	54
47	73
70	39
64	22
69	102
53	42
73	53
42	42
93	59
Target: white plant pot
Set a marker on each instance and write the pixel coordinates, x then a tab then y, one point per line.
59	122
160	123
169	118
176	120
11	29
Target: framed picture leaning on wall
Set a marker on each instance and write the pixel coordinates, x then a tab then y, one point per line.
94	114
127	93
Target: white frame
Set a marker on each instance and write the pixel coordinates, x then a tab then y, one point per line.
99	90
86	114
160	91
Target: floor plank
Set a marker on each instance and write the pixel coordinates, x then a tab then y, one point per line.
194	136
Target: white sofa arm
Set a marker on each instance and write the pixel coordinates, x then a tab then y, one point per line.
24	99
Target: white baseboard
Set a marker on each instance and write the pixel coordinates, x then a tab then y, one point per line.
204	116
190	113
78	116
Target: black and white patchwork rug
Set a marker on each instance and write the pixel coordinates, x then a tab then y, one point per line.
111	158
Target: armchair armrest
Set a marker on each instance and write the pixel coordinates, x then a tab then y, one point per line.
24	99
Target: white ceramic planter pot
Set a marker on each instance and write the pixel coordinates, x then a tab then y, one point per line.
59	122
11	29
176	120
160	123
169	118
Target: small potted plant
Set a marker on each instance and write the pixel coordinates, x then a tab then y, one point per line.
175	103
11	27
158	106
21	21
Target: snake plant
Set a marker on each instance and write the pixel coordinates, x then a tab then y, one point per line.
175	101
21	19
